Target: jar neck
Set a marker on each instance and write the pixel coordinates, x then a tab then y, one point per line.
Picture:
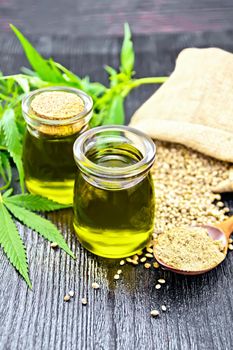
114	157
73	133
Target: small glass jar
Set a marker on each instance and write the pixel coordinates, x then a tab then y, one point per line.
114	203
47	151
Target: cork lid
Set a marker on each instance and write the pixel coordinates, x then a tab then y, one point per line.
57	105
57	111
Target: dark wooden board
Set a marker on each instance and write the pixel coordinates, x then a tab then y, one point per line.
104	17
118	314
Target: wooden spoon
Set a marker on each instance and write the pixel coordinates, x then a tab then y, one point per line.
219	232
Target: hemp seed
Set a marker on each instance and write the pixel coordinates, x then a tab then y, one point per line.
154	313
66	297
149	255
122	262
161	281
95	285
116	277
84	301
54	245
164	308
143	259
147	265
158	286
149	250
71	293
156	265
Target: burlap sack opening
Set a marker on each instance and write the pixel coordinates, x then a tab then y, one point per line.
194	106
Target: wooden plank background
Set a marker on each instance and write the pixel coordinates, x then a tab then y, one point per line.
117	316
105	17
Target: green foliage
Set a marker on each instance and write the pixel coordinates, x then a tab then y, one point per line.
116	111
20	207
45	69
35	202
12	244
12	140
44	227
5	171
108	101
127	53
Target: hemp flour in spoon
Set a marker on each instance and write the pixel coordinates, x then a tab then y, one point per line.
189	249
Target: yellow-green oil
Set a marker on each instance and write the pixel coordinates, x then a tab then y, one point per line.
114	223
49	166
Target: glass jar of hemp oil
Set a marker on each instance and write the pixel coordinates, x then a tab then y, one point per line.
114	203
55	117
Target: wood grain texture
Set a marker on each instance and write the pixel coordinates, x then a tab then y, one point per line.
104	17
117	316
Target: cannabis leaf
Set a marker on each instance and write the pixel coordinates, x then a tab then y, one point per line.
21	207
5	170
127	52
44	68
12	140
116	112
34	202
12	244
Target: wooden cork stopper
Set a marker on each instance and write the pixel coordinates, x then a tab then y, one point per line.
58	105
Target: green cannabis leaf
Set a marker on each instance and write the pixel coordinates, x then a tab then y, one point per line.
21	207
12	243
12	140
45	69
127	53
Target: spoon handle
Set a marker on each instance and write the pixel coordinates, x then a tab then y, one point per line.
226	226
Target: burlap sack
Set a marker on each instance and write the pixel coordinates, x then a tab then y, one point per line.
194	106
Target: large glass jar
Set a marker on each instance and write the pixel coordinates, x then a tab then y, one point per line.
48	145
114	204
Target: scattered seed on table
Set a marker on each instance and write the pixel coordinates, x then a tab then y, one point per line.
156	265
230	247
149	255
122	262
71	293
54	245
95	285
135	257
230	240
116	277
158	286
66	297
140	252
134	262
143	259
164	308
84	301
154	313
149	250
161	280
119	272
147	265
129	260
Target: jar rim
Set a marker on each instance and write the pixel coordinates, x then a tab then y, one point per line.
87	166
28	115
